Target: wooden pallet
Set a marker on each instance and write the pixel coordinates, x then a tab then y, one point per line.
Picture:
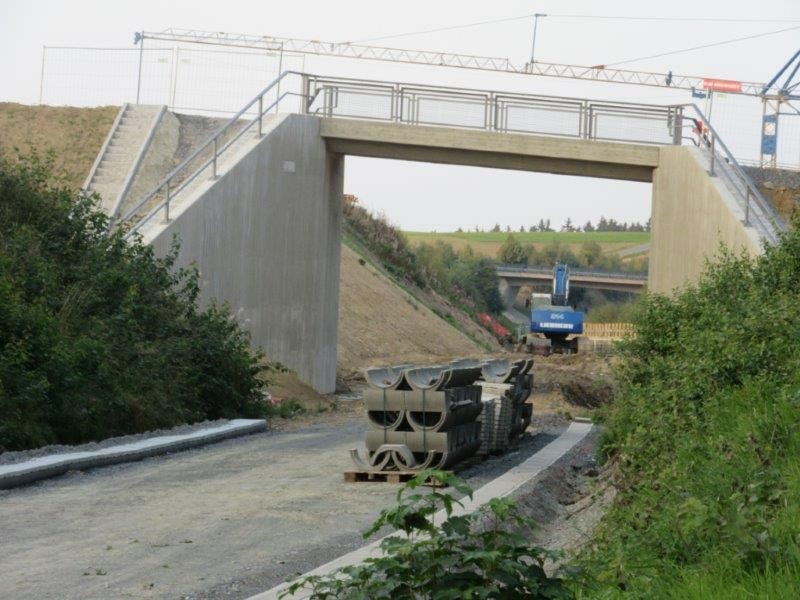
387	477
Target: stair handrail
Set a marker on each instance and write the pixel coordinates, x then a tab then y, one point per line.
212	141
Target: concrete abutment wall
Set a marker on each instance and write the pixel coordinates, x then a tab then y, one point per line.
692	215
266	238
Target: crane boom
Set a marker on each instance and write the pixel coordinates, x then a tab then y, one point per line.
449	59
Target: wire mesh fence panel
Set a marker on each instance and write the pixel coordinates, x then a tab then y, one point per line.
185	79
541	119
360	103
220	82
789	140
89	76
426	109
156	84
631	127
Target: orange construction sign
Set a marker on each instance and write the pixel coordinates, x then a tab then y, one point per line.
722	85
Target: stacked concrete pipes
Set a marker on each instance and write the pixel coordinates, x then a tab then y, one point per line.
426	416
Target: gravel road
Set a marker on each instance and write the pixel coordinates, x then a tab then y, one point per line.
224	521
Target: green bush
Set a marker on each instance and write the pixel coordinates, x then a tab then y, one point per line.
97	336
705	433
481	555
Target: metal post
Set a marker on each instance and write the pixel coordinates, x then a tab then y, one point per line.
214	162
533	42
278	89
747	206
677	132
139	76
260	113
713	153
41	76
173	77
166	206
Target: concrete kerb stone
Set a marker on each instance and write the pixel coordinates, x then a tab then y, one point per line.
22	473
502	486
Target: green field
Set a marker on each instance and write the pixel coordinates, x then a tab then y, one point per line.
488	243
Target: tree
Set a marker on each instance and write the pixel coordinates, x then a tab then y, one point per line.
590	254
496	228
588	227
98	337
567	226
522	228
512	252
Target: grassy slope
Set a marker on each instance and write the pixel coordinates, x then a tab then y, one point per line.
488	243
74	135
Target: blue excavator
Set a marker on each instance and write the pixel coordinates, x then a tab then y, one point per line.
552	318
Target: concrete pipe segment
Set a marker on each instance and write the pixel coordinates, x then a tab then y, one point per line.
391	378
440	377
503	371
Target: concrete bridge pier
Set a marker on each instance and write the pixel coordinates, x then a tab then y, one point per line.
508	293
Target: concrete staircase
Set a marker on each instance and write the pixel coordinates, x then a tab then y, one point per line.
122	152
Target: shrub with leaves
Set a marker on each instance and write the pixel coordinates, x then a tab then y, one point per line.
705	433
98	337
480	555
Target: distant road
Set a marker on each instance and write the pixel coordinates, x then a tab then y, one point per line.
623	282
640	249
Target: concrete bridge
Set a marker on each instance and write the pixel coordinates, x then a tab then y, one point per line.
513	277
258	208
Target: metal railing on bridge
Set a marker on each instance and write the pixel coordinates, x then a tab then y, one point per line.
415	104
545	272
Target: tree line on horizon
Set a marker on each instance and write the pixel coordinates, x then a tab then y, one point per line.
544	225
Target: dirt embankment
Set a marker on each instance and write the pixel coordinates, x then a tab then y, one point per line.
380	322
73	135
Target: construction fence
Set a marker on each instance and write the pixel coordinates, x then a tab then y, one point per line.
200	80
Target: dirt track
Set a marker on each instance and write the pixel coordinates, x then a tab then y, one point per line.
225	521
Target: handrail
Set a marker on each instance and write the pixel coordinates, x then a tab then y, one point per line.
591	120
212	141
713	142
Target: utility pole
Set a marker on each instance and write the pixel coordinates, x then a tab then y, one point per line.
533	42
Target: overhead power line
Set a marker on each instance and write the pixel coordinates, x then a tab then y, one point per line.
702	46
572	16
439	29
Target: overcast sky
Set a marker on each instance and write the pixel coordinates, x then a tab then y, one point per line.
434	197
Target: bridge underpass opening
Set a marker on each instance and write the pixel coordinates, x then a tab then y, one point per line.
263	224
429	200
463	206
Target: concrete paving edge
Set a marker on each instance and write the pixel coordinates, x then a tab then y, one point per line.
22	473
504	485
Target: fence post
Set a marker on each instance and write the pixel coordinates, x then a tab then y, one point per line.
713	153
166	206
214	163
747	205
306	100
677	132
260	114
